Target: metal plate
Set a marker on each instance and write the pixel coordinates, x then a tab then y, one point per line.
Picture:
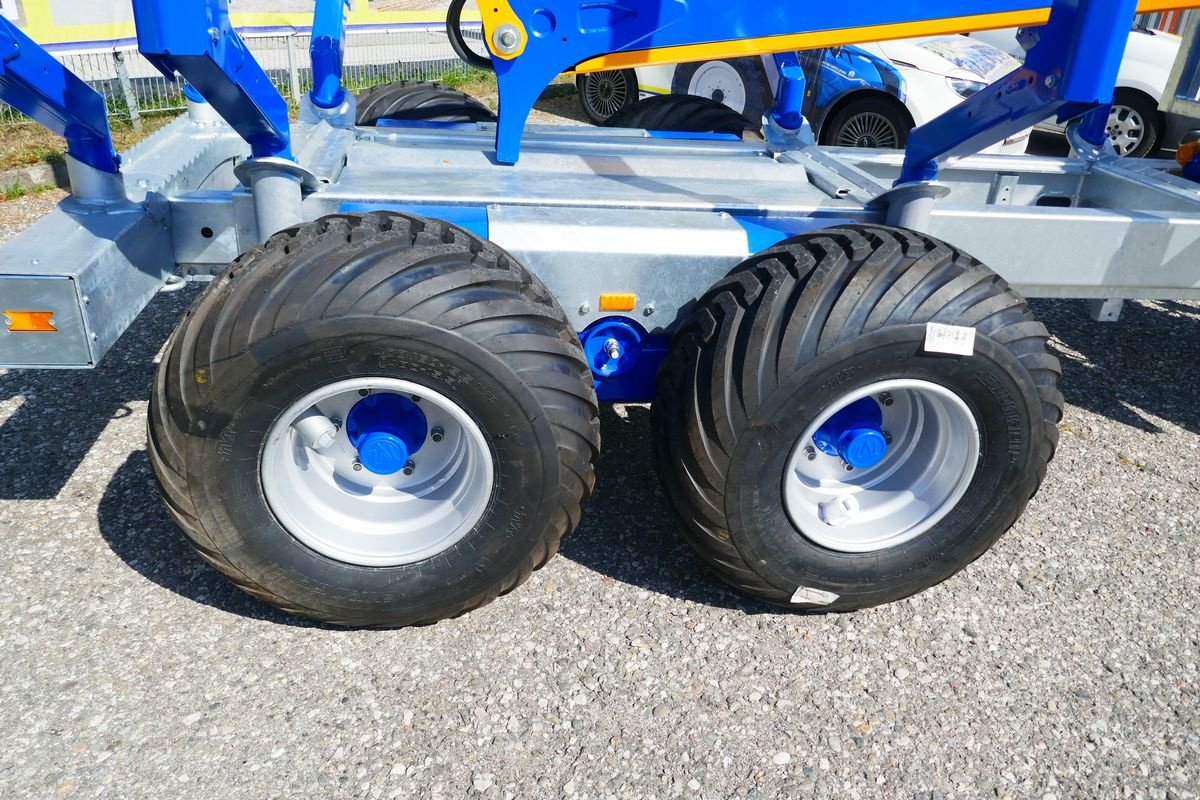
66	347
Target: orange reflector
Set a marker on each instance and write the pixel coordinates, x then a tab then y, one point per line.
618	302
29	321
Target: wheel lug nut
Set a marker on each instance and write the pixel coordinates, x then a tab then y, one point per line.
887	437
849	468
437	434
409	468
363	392
810	452
357	467
415	398
886	398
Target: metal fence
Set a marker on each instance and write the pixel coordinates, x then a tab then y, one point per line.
132	88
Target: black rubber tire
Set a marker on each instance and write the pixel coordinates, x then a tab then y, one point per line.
420	101
684	114
885	107
388	295
795	328
1147	109
624	85
754	82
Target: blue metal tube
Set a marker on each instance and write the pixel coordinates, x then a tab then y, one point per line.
326	49
196	39
1070	71
789	99
36	84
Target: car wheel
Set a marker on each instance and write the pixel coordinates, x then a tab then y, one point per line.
603	94
869	122
1133	124
740	83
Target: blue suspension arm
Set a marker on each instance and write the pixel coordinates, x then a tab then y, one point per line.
326	49
195	39
36	84
1070	72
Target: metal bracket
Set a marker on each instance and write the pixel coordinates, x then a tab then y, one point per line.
36	84
197	40
1071	70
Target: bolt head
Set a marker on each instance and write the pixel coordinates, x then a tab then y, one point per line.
849	468
437	434
363	392
409	468
357	467
886	399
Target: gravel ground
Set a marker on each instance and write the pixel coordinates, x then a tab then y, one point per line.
1062	664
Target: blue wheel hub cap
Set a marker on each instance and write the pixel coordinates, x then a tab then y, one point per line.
386	429
854	434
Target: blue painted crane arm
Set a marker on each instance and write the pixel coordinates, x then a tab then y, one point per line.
326	50
36	84
1069	72
196	39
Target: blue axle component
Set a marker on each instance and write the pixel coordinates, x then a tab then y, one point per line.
325	49
195	39
854	434
624	359
37	85
1069	72
386	429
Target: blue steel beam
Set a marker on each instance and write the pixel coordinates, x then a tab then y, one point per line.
326	49
1069	72
558	34
195	39
36	84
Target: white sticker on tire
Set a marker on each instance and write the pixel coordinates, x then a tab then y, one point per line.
816	597
954	340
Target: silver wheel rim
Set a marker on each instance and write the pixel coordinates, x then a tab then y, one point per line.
720	81
869	129
606	93
1126	129
359	517
929	463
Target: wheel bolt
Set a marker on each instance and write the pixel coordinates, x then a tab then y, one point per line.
437	434
409	468
887	437
415	398
337	422
886	398
363	392
357	467
849	468
811	453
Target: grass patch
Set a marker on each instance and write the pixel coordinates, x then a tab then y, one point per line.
17	190
25	143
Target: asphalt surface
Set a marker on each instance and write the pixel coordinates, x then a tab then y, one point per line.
1062	664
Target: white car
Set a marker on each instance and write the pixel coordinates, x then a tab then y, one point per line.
868	95
1136	127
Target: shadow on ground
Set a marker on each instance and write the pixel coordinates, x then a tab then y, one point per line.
1145	366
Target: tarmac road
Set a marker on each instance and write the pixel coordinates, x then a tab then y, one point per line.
1062	664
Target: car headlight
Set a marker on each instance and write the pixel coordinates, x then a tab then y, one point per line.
964	88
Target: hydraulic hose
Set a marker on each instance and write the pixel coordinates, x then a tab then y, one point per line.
454	32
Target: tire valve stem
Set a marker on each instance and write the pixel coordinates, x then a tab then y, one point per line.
409	468
437	434
886	398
